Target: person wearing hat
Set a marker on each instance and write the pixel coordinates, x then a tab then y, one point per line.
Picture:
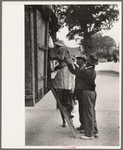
81	60
88	75
64	80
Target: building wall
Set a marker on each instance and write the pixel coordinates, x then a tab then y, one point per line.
41	52
35	56
28	58
40	43
41	27
37	66
108	66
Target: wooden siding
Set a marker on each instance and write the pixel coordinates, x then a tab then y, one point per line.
41	50
36	53
28	58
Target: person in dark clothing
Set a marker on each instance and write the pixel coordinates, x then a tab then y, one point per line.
88	75
79	84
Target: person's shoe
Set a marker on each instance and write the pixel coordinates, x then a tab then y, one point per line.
96	135
87	137
82	131
79	128
64	125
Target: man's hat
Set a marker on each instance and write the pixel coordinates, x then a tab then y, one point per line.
81	56
60	43
93	60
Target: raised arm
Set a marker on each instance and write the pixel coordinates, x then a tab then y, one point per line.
77	71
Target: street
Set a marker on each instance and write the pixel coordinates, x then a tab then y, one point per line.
43	121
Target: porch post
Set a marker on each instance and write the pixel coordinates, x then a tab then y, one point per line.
32	53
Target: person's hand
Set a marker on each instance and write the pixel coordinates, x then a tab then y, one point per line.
75	62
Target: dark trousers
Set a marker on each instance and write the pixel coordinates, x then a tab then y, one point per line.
78	95
64	96
90	124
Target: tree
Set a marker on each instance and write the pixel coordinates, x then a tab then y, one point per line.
86	20
103	45
109	42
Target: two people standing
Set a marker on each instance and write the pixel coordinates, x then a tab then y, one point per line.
84	86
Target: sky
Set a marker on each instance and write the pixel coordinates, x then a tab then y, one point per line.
115	33
61	35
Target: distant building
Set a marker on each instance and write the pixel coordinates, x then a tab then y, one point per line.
75	50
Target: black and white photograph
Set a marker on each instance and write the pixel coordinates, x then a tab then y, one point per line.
61	74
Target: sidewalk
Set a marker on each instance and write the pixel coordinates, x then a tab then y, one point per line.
43	121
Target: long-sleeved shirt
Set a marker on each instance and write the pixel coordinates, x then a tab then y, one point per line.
79	83
88	75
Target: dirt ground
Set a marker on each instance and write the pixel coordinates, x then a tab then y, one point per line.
43	121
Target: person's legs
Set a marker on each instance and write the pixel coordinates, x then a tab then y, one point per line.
96	132
78	94
74	98
66	101
95	122
70	107
89	98
60	96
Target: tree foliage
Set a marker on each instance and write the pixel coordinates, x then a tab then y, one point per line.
103	44
86	20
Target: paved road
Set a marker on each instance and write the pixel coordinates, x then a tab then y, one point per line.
43	122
